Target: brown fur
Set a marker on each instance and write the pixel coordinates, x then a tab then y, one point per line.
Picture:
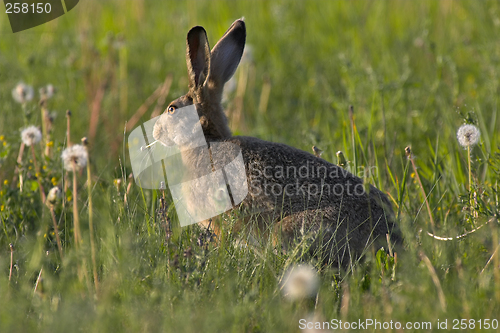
341	226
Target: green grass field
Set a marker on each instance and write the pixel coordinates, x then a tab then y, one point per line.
414	72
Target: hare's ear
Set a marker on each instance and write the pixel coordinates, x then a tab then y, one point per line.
197	56
227	53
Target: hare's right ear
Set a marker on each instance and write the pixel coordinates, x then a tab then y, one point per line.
197	56
226	54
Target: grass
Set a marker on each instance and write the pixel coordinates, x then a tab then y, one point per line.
414	72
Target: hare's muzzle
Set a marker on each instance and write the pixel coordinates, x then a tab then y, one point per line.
160	132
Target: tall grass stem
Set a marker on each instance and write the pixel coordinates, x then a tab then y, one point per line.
56	231
429	211
91	223
76	218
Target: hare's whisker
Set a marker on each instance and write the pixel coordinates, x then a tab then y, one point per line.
151	144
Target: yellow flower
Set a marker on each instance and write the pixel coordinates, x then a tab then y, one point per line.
44	167
2	208
6	182
37	175
69	198
412	175
54	181
5	143
2	137
50	144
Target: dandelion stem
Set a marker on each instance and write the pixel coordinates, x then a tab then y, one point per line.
468	136
17	171
470	179
21	152
68	127
56	231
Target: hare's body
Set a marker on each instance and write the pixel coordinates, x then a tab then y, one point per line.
290	192
294	194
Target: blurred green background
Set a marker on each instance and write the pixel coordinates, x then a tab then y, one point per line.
409	69
414	71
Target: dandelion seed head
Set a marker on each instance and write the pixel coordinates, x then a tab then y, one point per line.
74	156
31	135
468	135
408	152
47	91
53	196
22	93
300	282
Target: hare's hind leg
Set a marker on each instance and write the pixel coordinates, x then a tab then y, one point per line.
323	235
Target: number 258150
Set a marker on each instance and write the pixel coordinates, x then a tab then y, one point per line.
25	8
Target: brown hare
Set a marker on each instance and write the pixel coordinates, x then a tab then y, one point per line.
291	193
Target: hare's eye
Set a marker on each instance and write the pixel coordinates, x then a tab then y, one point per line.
171	109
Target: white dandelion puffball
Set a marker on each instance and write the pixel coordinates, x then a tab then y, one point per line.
468	135
74	156
53	196
22	93
31	135
47	91
300	282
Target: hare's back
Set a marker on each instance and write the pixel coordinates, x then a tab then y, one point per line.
282	163
303	181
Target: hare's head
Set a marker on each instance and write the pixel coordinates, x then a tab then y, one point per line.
208	71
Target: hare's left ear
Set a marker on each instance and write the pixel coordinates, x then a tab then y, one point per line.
197	56
226	54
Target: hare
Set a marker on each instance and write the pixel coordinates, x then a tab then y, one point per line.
291	193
